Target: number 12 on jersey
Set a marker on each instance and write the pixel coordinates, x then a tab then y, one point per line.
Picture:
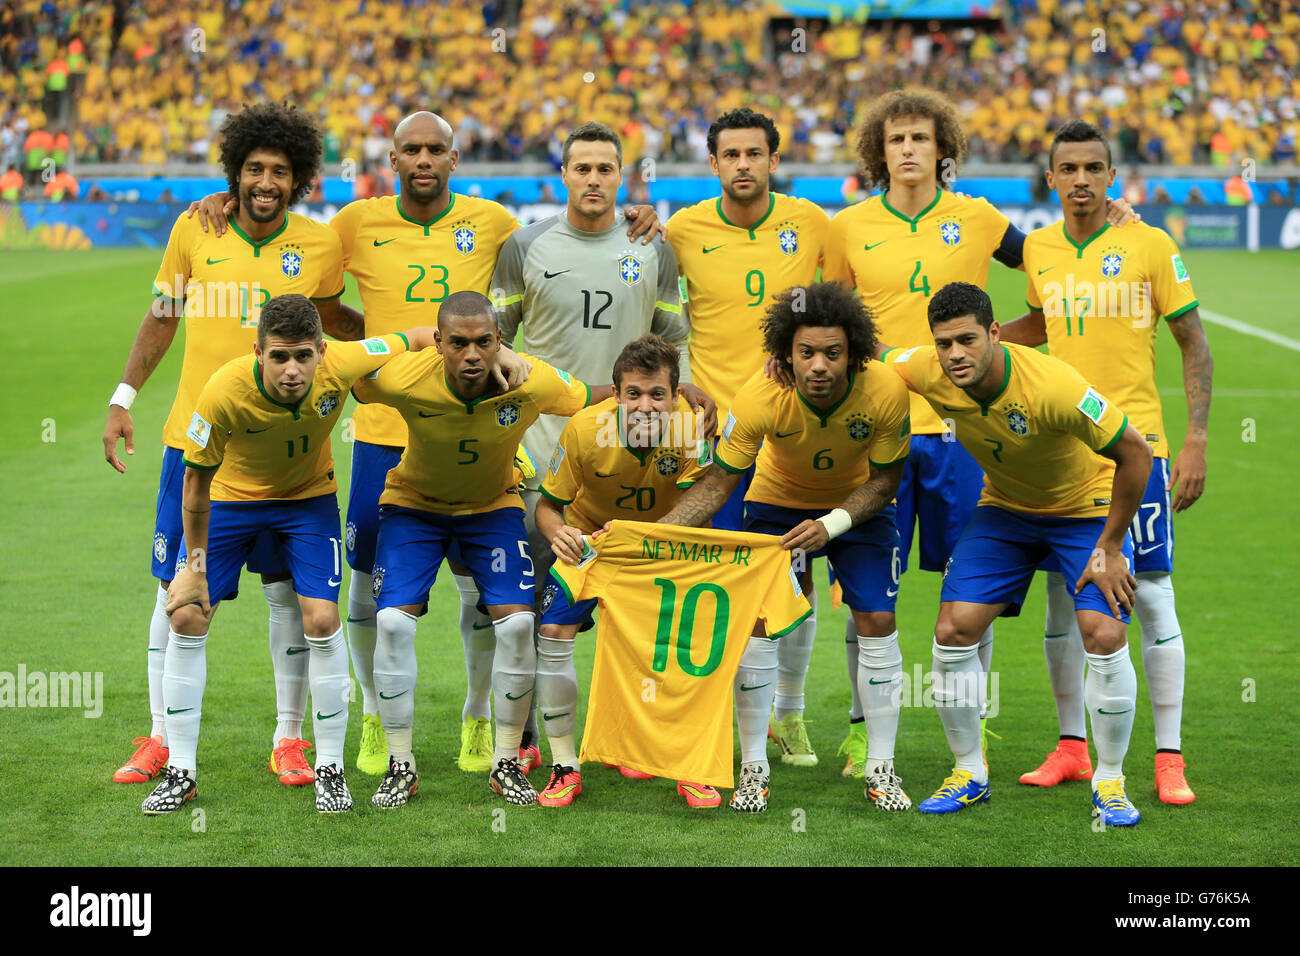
686	624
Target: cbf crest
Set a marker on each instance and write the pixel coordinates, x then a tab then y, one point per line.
629	269
1112	261
859	427
1018	419
507	414
326	404
291	261
464	236
787	237
669	464
950	231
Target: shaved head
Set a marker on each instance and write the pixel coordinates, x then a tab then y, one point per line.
419	123
423	158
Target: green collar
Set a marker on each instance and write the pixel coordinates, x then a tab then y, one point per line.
938	194
771	204
469	405
257	377
1006	380
825	416
257	244
1083	245
427	225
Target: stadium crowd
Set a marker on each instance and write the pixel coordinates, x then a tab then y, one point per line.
1183	81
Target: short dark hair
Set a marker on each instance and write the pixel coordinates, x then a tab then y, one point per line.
948	134
592	133
467	302
822	305
1078	131
648	354
957	299
290	316
744	118
277	126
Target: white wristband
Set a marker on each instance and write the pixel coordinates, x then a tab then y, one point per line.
836	522
123	396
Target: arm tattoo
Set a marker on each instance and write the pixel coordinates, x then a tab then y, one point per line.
702	501
867	500
1198	368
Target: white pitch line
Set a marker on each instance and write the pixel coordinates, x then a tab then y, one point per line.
1238	326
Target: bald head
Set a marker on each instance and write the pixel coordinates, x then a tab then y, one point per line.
421	123
423	158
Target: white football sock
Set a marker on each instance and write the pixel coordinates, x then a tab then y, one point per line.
160	628
1112	696
985	649
1163	656
557	693
396	674
361	637
478	638
184	681
331	687
758	669
880	673
957	677
793	653
1063	648
514	676
851	652
289	659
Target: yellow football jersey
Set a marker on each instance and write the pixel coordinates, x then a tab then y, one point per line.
225	282
732	274
599	478
263	449
405	268
1101	302
809	458
661	696
897	263
460	456
1036	439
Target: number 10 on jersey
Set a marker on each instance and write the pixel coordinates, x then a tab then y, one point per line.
686	624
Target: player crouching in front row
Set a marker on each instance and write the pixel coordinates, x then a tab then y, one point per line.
257	458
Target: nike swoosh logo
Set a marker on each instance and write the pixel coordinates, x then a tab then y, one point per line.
612	474
180	711
257	431
430	414
553	716
788	434
385	242
872	680
1113	713
320	716
335	582
949	408
156	650
482	627
871	245
890	592
755	687
1154	547
384	696
290	651
213	262
1048	269
521	696
1168	639
707	249
552	275
1066	634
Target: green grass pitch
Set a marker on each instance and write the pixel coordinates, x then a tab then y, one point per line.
75	594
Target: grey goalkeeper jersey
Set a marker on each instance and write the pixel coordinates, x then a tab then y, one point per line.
582	297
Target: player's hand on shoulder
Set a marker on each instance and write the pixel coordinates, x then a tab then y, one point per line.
213	209
188	587
511	369
775	369
1120	212
1109	570
567	544
119	425
1188	476
643	223
808	535
705	407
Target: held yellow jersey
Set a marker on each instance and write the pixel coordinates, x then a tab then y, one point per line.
264	449
1102	301
809	458
224	283
460	456
677	606
405	267
599	477
1036	439
897	263
732	274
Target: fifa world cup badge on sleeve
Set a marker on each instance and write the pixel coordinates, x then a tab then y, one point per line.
588	552
199	431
